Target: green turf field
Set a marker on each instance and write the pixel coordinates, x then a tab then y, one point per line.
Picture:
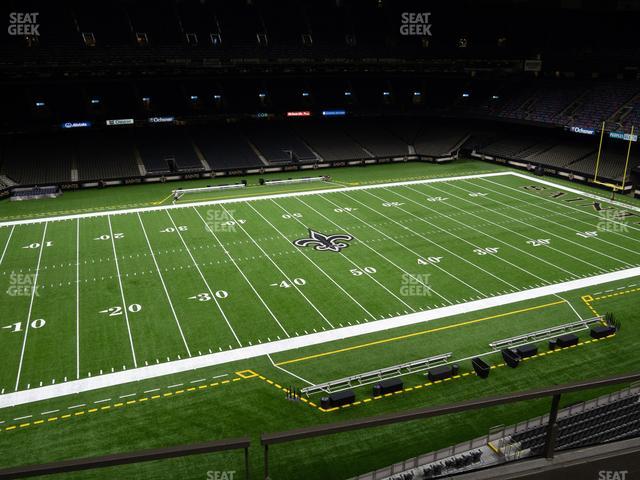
106	295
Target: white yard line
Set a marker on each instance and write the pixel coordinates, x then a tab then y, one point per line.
504	260
6	245
309	258
581	193
291	282
248	199
33	296
164	286
154	371
571	274
125	309
224	249
564	215
363	269
78	298
206	283
546	232
413	232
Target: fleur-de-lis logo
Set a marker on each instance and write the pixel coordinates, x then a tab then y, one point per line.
324	243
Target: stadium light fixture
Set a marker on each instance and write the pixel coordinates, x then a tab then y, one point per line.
40	104
417	94
262	95
466	95
217	97
347	94
495	97
95	101
194	98
386	94
305	94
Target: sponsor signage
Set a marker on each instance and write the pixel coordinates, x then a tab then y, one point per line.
623	136
583	131
120	121
76	124
305	113
333	113
161	119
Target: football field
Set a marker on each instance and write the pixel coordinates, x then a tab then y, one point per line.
107	294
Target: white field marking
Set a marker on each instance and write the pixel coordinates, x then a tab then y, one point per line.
220	376
22	418
289	344
152	390
583	194
215	299
558	223
442	247
6	245
247	199
548	220
77	298
50	412
128	395
570	306
33	295
224	249
363	269
124	302
571	274
164	286
288	372
413	232
309	258
504	260
293	284
77	406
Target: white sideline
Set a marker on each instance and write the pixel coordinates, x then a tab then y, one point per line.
577	191
244	353
248	199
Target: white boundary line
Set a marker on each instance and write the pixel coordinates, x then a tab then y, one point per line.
244	353
247	199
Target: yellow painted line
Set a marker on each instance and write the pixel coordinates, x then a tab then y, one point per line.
422	332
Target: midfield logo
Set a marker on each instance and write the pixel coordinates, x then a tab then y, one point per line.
324	243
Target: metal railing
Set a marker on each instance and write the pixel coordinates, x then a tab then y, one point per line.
373	376
422	413
131	457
